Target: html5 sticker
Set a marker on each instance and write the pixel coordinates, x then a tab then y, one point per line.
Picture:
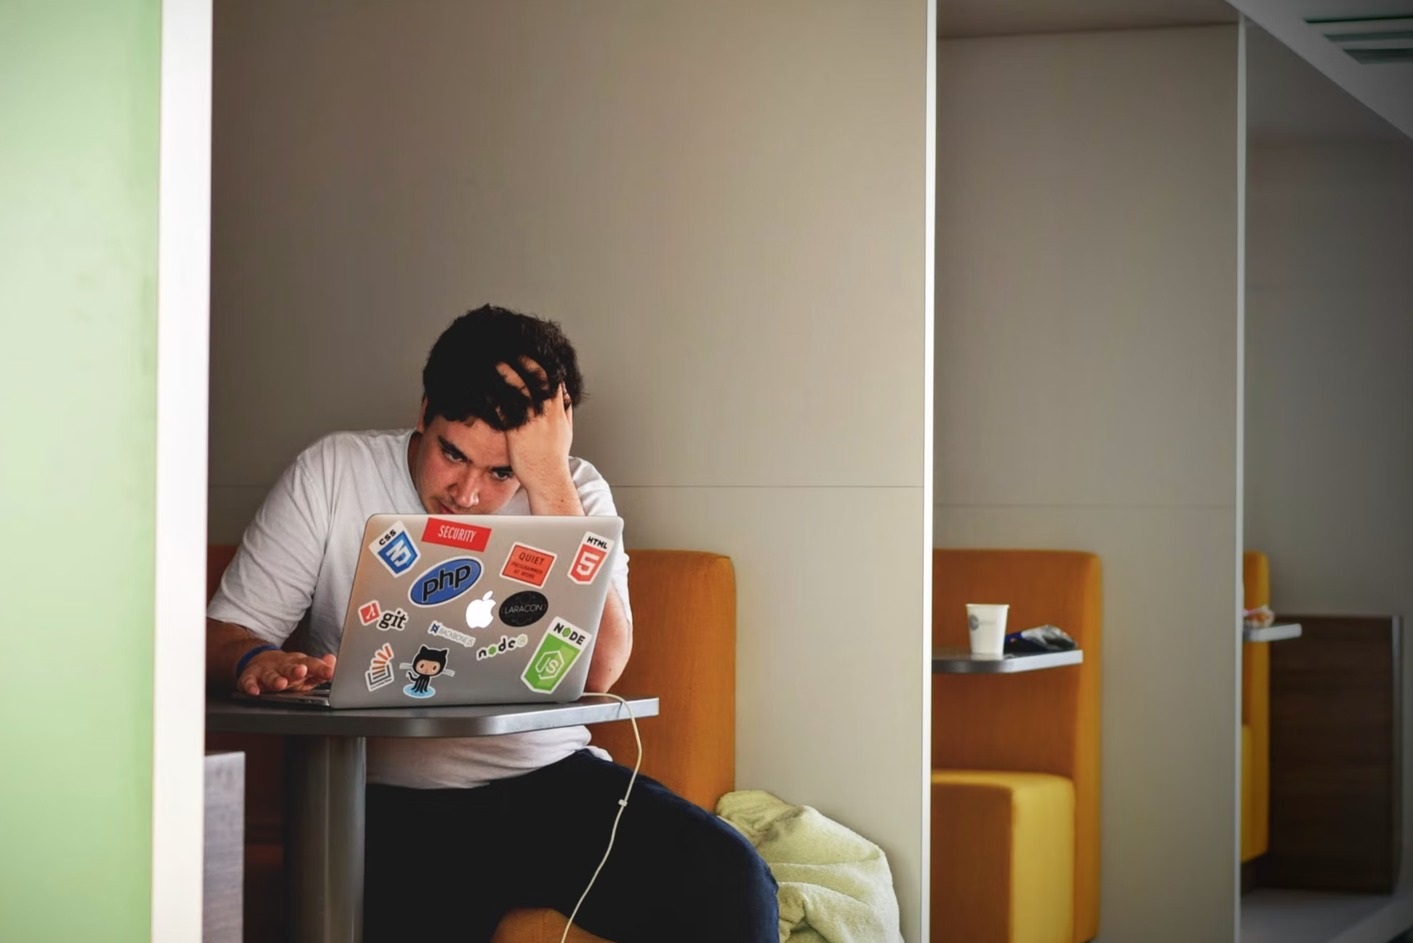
590	557
529	565
395	549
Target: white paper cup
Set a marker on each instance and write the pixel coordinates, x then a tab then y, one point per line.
986	627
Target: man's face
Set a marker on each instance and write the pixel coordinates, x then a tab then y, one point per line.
462	467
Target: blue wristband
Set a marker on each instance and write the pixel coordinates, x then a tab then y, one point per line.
245	659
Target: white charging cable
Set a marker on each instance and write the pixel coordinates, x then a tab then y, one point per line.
622	804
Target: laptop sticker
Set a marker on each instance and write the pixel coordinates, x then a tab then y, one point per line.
429	663
442	631
592	553
445	581
369	612
394	547
523	609
478	612
455	534
507	643
558	650
395	619
380	673
529	565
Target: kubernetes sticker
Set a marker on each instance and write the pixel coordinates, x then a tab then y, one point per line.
380	673
394	547
528	564
590	557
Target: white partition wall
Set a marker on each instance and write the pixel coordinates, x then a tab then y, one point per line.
1087	398
723	204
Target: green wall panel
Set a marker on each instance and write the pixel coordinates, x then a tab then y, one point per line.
78	331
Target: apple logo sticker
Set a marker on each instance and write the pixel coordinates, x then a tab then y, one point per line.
478	614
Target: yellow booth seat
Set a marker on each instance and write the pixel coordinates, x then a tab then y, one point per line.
1015	758
1255	716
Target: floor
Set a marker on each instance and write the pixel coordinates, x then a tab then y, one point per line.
1281	916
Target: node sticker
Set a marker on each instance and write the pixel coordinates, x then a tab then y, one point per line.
590	557
507	643
394	547
380	673
529	565
455	534
369	612
460	638
429	663
524	609
559	649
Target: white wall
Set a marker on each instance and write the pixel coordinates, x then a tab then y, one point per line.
1086	375
1329	407
723	204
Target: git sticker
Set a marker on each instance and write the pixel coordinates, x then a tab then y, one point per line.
559	649
527	564
380	673
394	547
590	557
369	612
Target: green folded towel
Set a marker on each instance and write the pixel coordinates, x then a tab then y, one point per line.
835	885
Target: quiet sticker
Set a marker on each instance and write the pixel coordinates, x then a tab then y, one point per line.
455	534
558	650
527	564
394	547
590	557
380	673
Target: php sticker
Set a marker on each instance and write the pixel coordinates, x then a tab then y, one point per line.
455	534
369	612
428	664
524	609
590	557
446	632
559	649
394	547
528	564
380	673
445	581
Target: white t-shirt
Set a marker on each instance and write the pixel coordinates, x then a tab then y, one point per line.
299	553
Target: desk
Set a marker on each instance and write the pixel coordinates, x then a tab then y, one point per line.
1271	633
325	786
960	661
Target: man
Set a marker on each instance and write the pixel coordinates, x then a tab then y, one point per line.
529	815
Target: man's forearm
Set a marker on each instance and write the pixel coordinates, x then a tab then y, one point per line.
225	644
614	645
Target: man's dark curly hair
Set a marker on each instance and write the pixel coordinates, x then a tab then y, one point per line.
461	381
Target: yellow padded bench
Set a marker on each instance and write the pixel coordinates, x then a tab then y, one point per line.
1255	716
1016	757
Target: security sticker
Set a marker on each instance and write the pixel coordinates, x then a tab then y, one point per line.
380	673
558	650
527	564
524	609
394	547
369	612
442	631
429	663
507	643
590	557
395	619
455	534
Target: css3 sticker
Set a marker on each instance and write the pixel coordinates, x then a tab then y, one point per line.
394	547
590	557
558	650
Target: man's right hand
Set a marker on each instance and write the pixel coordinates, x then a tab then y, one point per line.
284	671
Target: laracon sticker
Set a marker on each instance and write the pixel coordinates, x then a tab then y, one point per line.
507	643
395	619
428	664
394	547
524	609
442	631
380	673
590	557
455	534
529	565
369	612
558	650
445	581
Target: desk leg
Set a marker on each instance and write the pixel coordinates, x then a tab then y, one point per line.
325	801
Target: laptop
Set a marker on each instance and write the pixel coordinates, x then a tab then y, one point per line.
469	609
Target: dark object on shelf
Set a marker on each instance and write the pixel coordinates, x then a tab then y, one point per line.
1042	638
